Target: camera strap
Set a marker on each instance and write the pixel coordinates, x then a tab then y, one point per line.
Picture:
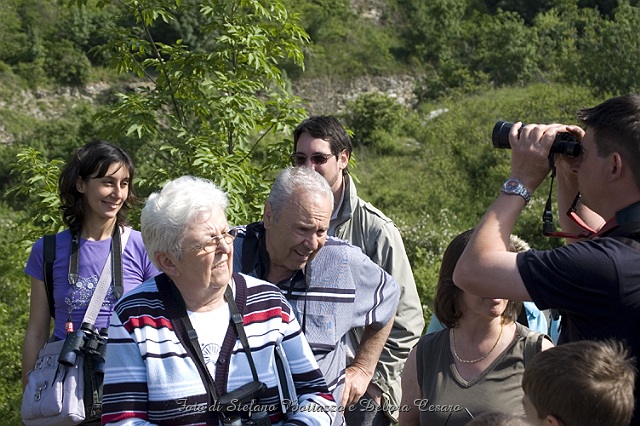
112	267
49	258
237	322
547	216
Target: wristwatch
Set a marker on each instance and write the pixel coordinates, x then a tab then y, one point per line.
514	187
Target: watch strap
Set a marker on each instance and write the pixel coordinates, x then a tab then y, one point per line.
513	186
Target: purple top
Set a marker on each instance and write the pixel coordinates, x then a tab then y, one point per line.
136	268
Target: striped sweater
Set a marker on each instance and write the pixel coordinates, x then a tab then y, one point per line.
151	379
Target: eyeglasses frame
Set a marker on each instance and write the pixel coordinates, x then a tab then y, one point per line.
214	242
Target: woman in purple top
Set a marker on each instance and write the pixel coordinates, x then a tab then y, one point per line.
95	192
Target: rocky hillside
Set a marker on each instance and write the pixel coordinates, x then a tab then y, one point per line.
323	96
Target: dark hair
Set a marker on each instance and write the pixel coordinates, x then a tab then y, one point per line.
328	128
90	161
615	124
445	302
498	419
586	383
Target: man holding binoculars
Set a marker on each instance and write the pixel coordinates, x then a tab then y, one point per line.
594	280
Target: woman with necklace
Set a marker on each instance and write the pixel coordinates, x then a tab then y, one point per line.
473	366
95	189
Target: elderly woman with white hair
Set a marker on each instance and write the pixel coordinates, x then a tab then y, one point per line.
196	344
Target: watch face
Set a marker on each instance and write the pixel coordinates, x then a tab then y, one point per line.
511	185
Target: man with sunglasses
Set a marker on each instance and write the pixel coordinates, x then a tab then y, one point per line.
594	281
322	143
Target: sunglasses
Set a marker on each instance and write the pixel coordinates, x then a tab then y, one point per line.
300	159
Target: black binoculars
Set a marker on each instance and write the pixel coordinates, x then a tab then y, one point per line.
564	143
256	418
244	396
85	341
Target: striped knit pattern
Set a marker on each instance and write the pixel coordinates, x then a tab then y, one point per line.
150	376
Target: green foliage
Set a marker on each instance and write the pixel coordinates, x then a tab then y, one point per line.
425	241
15	44
457	46
527	9
85	28
501	46
377	122
16	123
39	185
609	49
434	37
26	29
451	79
46	43
202	112
463	49
557	31
36	193
14	312
67	64
433	29
32	73
345	45
484	48
52	138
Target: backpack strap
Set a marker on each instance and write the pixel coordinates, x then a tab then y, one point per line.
49	257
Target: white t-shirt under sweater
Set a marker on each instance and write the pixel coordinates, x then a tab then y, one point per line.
211	328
